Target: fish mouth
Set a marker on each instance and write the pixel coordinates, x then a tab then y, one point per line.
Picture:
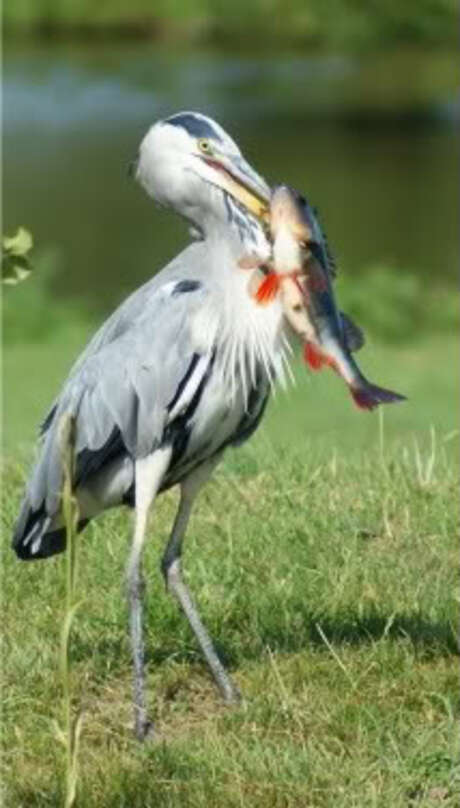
241	182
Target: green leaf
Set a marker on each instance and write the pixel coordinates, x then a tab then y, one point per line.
15	261
19	244
14	270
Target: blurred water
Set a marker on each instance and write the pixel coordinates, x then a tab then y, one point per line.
378	158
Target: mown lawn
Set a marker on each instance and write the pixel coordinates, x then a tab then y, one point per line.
324	558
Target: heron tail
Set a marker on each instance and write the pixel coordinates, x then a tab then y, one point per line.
35	536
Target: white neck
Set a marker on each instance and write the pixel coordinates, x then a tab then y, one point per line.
249	335
226	220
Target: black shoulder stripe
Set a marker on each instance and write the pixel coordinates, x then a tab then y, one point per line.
183	381
89	461
258	399
196	398
183	287
177	433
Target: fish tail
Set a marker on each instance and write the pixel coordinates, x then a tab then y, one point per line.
367	396
269	288
313	357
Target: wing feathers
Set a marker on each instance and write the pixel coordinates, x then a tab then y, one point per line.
119	392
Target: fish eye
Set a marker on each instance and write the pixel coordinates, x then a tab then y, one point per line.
204	146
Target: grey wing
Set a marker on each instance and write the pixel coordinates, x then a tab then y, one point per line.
122	398
191	263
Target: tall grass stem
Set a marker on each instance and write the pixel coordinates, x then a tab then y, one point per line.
70	736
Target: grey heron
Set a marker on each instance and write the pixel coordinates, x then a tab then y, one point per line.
179	372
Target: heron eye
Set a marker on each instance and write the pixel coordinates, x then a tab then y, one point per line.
204	146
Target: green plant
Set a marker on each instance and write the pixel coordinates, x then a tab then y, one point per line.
395	305
16	265
70	734
33	313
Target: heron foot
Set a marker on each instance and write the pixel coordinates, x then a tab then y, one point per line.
229	691
233	698
144	729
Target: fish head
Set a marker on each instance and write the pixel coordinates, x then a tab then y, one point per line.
290	229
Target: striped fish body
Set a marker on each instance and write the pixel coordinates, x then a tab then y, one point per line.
301	258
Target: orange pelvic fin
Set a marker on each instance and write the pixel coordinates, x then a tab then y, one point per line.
269	288
313	356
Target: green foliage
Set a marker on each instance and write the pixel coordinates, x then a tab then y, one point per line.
338	23
397	306
33	313
16	265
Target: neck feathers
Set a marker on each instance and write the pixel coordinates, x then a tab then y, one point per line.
246	228
233	225
248	336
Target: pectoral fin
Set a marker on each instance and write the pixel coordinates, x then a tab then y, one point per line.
269	288
313	357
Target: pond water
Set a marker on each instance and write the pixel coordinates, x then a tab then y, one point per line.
377	157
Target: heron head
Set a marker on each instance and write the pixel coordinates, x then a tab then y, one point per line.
185	158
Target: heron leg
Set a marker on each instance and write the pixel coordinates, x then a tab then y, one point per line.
171	568
149	473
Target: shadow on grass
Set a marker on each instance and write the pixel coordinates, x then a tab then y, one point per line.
429	639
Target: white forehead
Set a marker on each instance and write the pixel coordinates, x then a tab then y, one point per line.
185	128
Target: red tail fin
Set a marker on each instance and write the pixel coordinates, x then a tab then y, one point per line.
369	396
269	288
313	356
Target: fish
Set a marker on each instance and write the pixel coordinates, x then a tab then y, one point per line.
296	314
302	275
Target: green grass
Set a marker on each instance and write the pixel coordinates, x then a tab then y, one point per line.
324	557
